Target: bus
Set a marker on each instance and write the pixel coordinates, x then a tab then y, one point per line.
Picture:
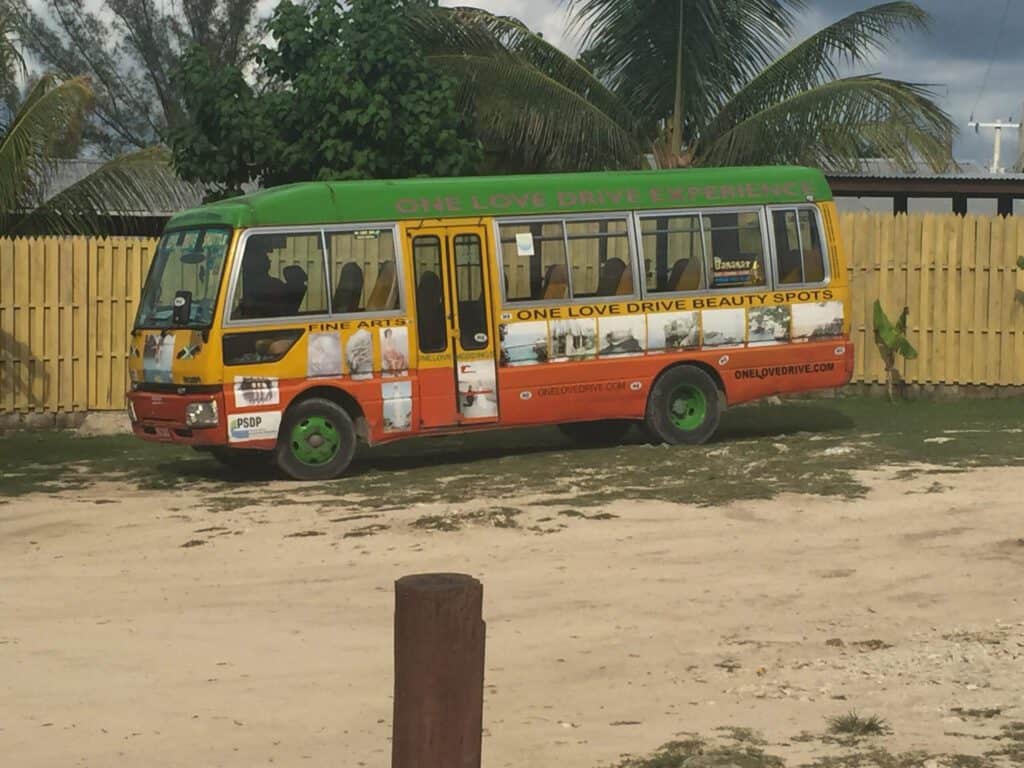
298	321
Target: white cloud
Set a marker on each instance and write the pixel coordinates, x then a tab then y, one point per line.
548	17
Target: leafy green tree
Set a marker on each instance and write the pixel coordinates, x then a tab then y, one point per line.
719	75
12	63
129	49
891	340
344	93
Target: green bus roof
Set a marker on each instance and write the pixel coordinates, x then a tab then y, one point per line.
527	195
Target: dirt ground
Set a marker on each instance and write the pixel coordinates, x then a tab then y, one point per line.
217	621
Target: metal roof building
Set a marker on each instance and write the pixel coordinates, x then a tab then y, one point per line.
971	188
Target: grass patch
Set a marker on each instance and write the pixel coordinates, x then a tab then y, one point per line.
698	753
367	530
801	446
857	726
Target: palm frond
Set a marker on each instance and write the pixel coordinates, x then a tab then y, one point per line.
829	125
137	184
851	41
463	31
537	119
633	45
52	110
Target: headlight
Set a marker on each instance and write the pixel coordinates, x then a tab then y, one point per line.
131	412
201	414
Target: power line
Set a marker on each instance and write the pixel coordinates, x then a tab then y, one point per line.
991	61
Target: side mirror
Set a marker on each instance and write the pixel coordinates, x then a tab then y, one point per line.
182	307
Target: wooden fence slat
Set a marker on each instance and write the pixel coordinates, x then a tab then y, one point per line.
1018	305
952	305
8	348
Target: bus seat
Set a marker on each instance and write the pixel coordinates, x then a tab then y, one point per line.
296	284
611	274
625	283
430	322
556	282
685	275
349	291
789	267
814	267
385	290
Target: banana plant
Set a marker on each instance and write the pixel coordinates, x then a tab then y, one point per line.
891	340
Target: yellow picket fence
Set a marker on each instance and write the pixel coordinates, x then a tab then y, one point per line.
67	304
66	308
960	278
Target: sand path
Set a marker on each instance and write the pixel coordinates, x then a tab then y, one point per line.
120	646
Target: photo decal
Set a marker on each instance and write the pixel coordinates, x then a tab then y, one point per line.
768	325
478	393
670	331
394	351
397	406
724	327
157	357
622	335
822	320
524	343
573	339
324	355
359	354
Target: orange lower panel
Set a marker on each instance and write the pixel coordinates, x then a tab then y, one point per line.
605	389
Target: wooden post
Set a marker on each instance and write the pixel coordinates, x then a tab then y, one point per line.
439	672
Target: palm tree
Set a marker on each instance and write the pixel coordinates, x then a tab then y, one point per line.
37	130
737	96
534	107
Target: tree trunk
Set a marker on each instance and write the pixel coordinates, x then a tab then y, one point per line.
675	134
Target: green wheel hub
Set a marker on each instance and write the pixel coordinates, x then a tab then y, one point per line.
688	407
315	441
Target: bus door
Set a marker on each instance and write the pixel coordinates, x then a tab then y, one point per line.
454	325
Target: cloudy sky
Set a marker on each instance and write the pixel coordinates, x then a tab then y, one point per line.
966	37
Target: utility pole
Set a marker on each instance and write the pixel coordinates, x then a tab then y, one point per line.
997	126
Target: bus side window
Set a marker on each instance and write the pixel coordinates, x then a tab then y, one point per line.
282	275
431	327
735	249
798	246
600	258
673	253
533	256
363	268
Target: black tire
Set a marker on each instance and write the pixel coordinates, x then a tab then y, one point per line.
240	458
684	407
607	432
299	456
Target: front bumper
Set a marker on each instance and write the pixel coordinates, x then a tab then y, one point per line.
160	417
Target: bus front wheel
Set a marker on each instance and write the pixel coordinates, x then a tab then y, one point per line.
684	407
317	440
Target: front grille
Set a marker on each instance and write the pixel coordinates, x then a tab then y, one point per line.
177	389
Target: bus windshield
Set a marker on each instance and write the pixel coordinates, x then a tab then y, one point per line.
186	260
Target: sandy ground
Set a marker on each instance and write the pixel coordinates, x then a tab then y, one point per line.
119	646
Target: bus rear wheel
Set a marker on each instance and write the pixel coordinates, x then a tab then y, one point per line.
317	440
607	432
684	407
